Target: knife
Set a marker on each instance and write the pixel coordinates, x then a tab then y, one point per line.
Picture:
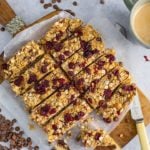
137	115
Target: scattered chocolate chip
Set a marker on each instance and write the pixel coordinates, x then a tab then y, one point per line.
59	1
75	3
102	1
41	1
47	5
2	29
56	7
54	1
17	128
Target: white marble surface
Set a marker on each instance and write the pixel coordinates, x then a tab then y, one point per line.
115	10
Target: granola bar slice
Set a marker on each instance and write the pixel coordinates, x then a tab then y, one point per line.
81	59
67	119
44	88
24	57
122	97
54	104
96	70
97	138
102	89
36	72
60	30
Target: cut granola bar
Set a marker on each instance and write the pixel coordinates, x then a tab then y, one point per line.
67	119
55	103
36	72
97	138
96	70
112	107
44	88
24	57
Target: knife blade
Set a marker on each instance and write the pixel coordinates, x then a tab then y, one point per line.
137	115
136	111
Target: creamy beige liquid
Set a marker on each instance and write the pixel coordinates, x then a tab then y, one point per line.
142	23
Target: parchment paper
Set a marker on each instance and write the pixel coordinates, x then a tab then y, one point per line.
14	104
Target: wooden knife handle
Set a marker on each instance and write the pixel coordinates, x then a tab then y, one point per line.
6	13
142	136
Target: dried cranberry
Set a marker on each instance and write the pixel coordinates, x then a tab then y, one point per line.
59	35
128	88
89	100
79	115
5	66
87	53
71	73
40	88
49	45
54	126
110	57
19	81
97	136
67	53
45	83
32	78
82	65
68	118
100	64
116	72
44	69
45	110
71	65
80	82
78	32
87	70
61	81
52	111
58	94
61	57
58	47
102	104
107	94
107	120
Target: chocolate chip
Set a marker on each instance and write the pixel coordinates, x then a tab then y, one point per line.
71	65
75	3
2	29
56	7
17	128
107	94
59	1
54	1
32	78
41	1
102	1
68	118
44	69
47	5
45	110
97	136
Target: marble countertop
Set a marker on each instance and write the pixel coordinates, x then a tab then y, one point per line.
115	10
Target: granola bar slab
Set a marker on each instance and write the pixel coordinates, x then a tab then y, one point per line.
54	104
44	88
36	72
122	97
97	138
24	57
96	70
102	89
67	119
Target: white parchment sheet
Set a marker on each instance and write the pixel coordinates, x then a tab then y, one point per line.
14	104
